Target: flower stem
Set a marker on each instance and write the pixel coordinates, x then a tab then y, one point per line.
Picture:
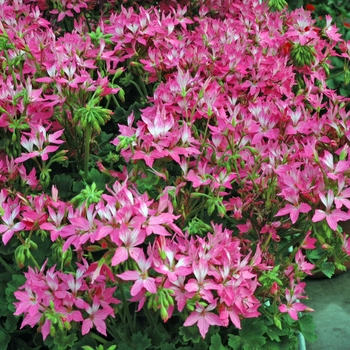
126	308
7	266
98	338
87	148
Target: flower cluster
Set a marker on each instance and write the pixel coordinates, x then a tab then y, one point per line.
54	299
225	171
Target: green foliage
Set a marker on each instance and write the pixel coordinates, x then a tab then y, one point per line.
216	343
307	328
61	340
147	183
190	334
4	338
251	336
64	183
12	286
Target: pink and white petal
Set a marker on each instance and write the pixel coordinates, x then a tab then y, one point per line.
192	319
129	275
319	215
150	285
45	329
203	325
304	208
120	255
136	288
332	222
86	326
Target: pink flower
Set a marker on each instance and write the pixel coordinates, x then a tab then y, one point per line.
303	265
295	208
96	318
204	318
292	308
332	216
141	278
334	170
9	227
308	242
131	239
38	143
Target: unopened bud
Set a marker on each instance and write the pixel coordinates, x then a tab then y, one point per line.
164	314
52	330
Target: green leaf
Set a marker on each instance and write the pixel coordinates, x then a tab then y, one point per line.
168	346
251	335
328	269
202	345
9	248
148	182
157	337
87	340
44	249
64	341
123	346
10	323
12	286
64	184
4	339
4	311
190	334
275	333
285	344
17	343
216	343
98	178
235	342
307	327
140	341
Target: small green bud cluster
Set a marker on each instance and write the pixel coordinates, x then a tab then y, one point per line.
303	55
277	5
161	300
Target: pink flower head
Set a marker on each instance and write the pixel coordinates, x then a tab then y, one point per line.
141	278
295	208
204	318
293	306
97	317
332	216
9	227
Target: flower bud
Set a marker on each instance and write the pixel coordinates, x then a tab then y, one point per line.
277	5
274	288
121	95
303	55
52	330
20	256
164	314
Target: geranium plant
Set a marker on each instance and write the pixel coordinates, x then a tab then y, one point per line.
169	174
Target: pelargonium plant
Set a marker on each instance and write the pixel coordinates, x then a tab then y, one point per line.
170	174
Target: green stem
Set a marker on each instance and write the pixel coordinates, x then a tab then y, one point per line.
150	318
115	101
98	338
126	308
141	82
14	80
87	22
139	90
34	261
88	132
7	266
297	239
